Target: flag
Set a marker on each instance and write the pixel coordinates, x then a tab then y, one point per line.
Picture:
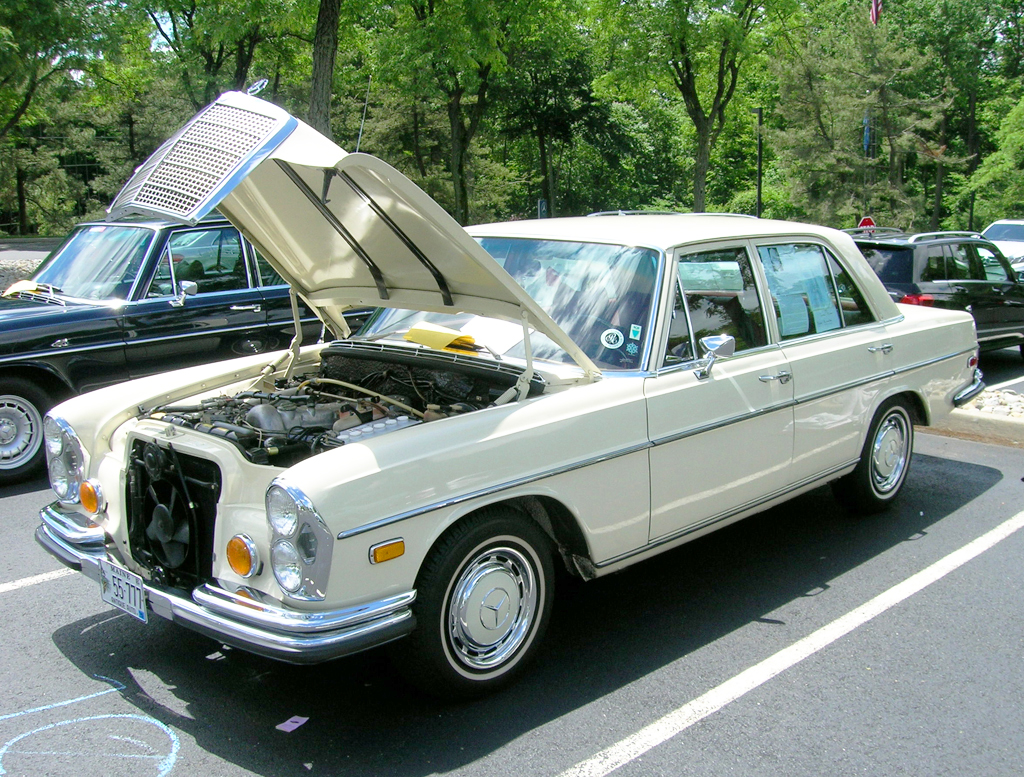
876	10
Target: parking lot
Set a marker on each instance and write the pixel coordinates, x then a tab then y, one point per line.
762	649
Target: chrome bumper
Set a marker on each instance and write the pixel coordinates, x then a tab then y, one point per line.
295	636
969	393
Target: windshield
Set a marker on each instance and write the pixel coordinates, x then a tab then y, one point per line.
97	262
600	295
1011	232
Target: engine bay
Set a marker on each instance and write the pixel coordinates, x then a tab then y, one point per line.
357	393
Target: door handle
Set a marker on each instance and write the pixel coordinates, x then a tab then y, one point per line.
884	348
253	308
782	377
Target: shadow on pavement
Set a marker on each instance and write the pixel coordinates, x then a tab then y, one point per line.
605	634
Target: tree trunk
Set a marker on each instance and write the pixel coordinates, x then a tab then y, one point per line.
546	187
325	48
21	178
701	165
460	143
939	173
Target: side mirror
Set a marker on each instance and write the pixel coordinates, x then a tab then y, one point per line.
185	289
713	347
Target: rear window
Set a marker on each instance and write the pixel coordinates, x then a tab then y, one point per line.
1005	232
891	265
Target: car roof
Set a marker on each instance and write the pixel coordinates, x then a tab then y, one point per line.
908	239
661	231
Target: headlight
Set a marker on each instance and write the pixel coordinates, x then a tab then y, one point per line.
287	566
64	459
301	545
282	511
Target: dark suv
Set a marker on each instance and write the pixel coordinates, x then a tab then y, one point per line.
130	298
959	270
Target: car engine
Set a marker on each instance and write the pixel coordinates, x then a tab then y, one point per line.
356	394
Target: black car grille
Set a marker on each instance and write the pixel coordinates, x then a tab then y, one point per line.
172	508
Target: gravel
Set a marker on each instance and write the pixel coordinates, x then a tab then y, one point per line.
1001	402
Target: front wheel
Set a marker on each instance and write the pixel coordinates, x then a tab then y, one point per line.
884	461
484	599
22	405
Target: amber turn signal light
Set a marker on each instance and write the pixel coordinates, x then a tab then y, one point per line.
243	558
386	551
90	496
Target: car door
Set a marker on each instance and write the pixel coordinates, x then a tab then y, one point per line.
225	318
278	305
837	352
722	444
996	297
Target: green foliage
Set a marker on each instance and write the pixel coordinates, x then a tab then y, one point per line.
999	182
492	105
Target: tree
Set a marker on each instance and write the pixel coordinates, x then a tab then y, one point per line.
843	82
701	46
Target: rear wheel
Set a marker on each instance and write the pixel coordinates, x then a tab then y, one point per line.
884	461
22	405
484	599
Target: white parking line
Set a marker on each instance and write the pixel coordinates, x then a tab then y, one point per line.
663	729
14	585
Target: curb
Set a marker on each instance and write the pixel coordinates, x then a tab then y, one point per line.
982	427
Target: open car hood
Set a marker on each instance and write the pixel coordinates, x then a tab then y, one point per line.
344	230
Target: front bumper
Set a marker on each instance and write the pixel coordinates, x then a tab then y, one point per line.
295	636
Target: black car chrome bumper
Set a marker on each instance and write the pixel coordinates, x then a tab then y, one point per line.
969	393
270	630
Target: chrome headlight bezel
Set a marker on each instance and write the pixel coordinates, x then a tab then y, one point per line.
65	459
301	545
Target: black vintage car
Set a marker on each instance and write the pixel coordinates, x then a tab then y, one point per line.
957	270
125	299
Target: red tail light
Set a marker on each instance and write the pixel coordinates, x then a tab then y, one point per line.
918	299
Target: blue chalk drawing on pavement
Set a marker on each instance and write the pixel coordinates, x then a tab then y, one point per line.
164	763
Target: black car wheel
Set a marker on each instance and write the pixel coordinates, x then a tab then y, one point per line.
22	405
884	461
484	598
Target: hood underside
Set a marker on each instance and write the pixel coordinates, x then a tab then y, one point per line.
345	230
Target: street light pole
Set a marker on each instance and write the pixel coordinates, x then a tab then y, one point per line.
760	149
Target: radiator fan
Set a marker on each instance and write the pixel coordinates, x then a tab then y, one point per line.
168	527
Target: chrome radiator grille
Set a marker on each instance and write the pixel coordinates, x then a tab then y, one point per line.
187	172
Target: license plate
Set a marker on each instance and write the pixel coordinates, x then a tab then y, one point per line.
124	590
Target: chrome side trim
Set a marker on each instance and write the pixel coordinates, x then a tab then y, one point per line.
936	360
751	505
455	500
499	487
722	423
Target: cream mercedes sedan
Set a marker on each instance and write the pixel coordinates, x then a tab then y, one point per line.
580	393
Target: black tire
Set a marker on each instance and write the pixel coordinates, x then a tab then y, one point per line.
465	644
22	406
884	461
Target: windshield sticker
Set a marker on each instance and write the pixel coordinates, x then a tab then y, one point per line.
634	332
612	338
632	349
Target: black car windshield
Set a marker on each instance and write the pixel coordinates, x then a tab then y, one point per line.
97	262
1011	232
600	295
891	265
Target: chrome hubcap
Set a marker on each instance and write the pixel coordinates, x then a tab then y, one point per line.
890	453
492	607
21	431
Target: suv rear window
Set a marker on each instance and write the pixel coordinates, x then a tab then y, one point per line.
891	265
